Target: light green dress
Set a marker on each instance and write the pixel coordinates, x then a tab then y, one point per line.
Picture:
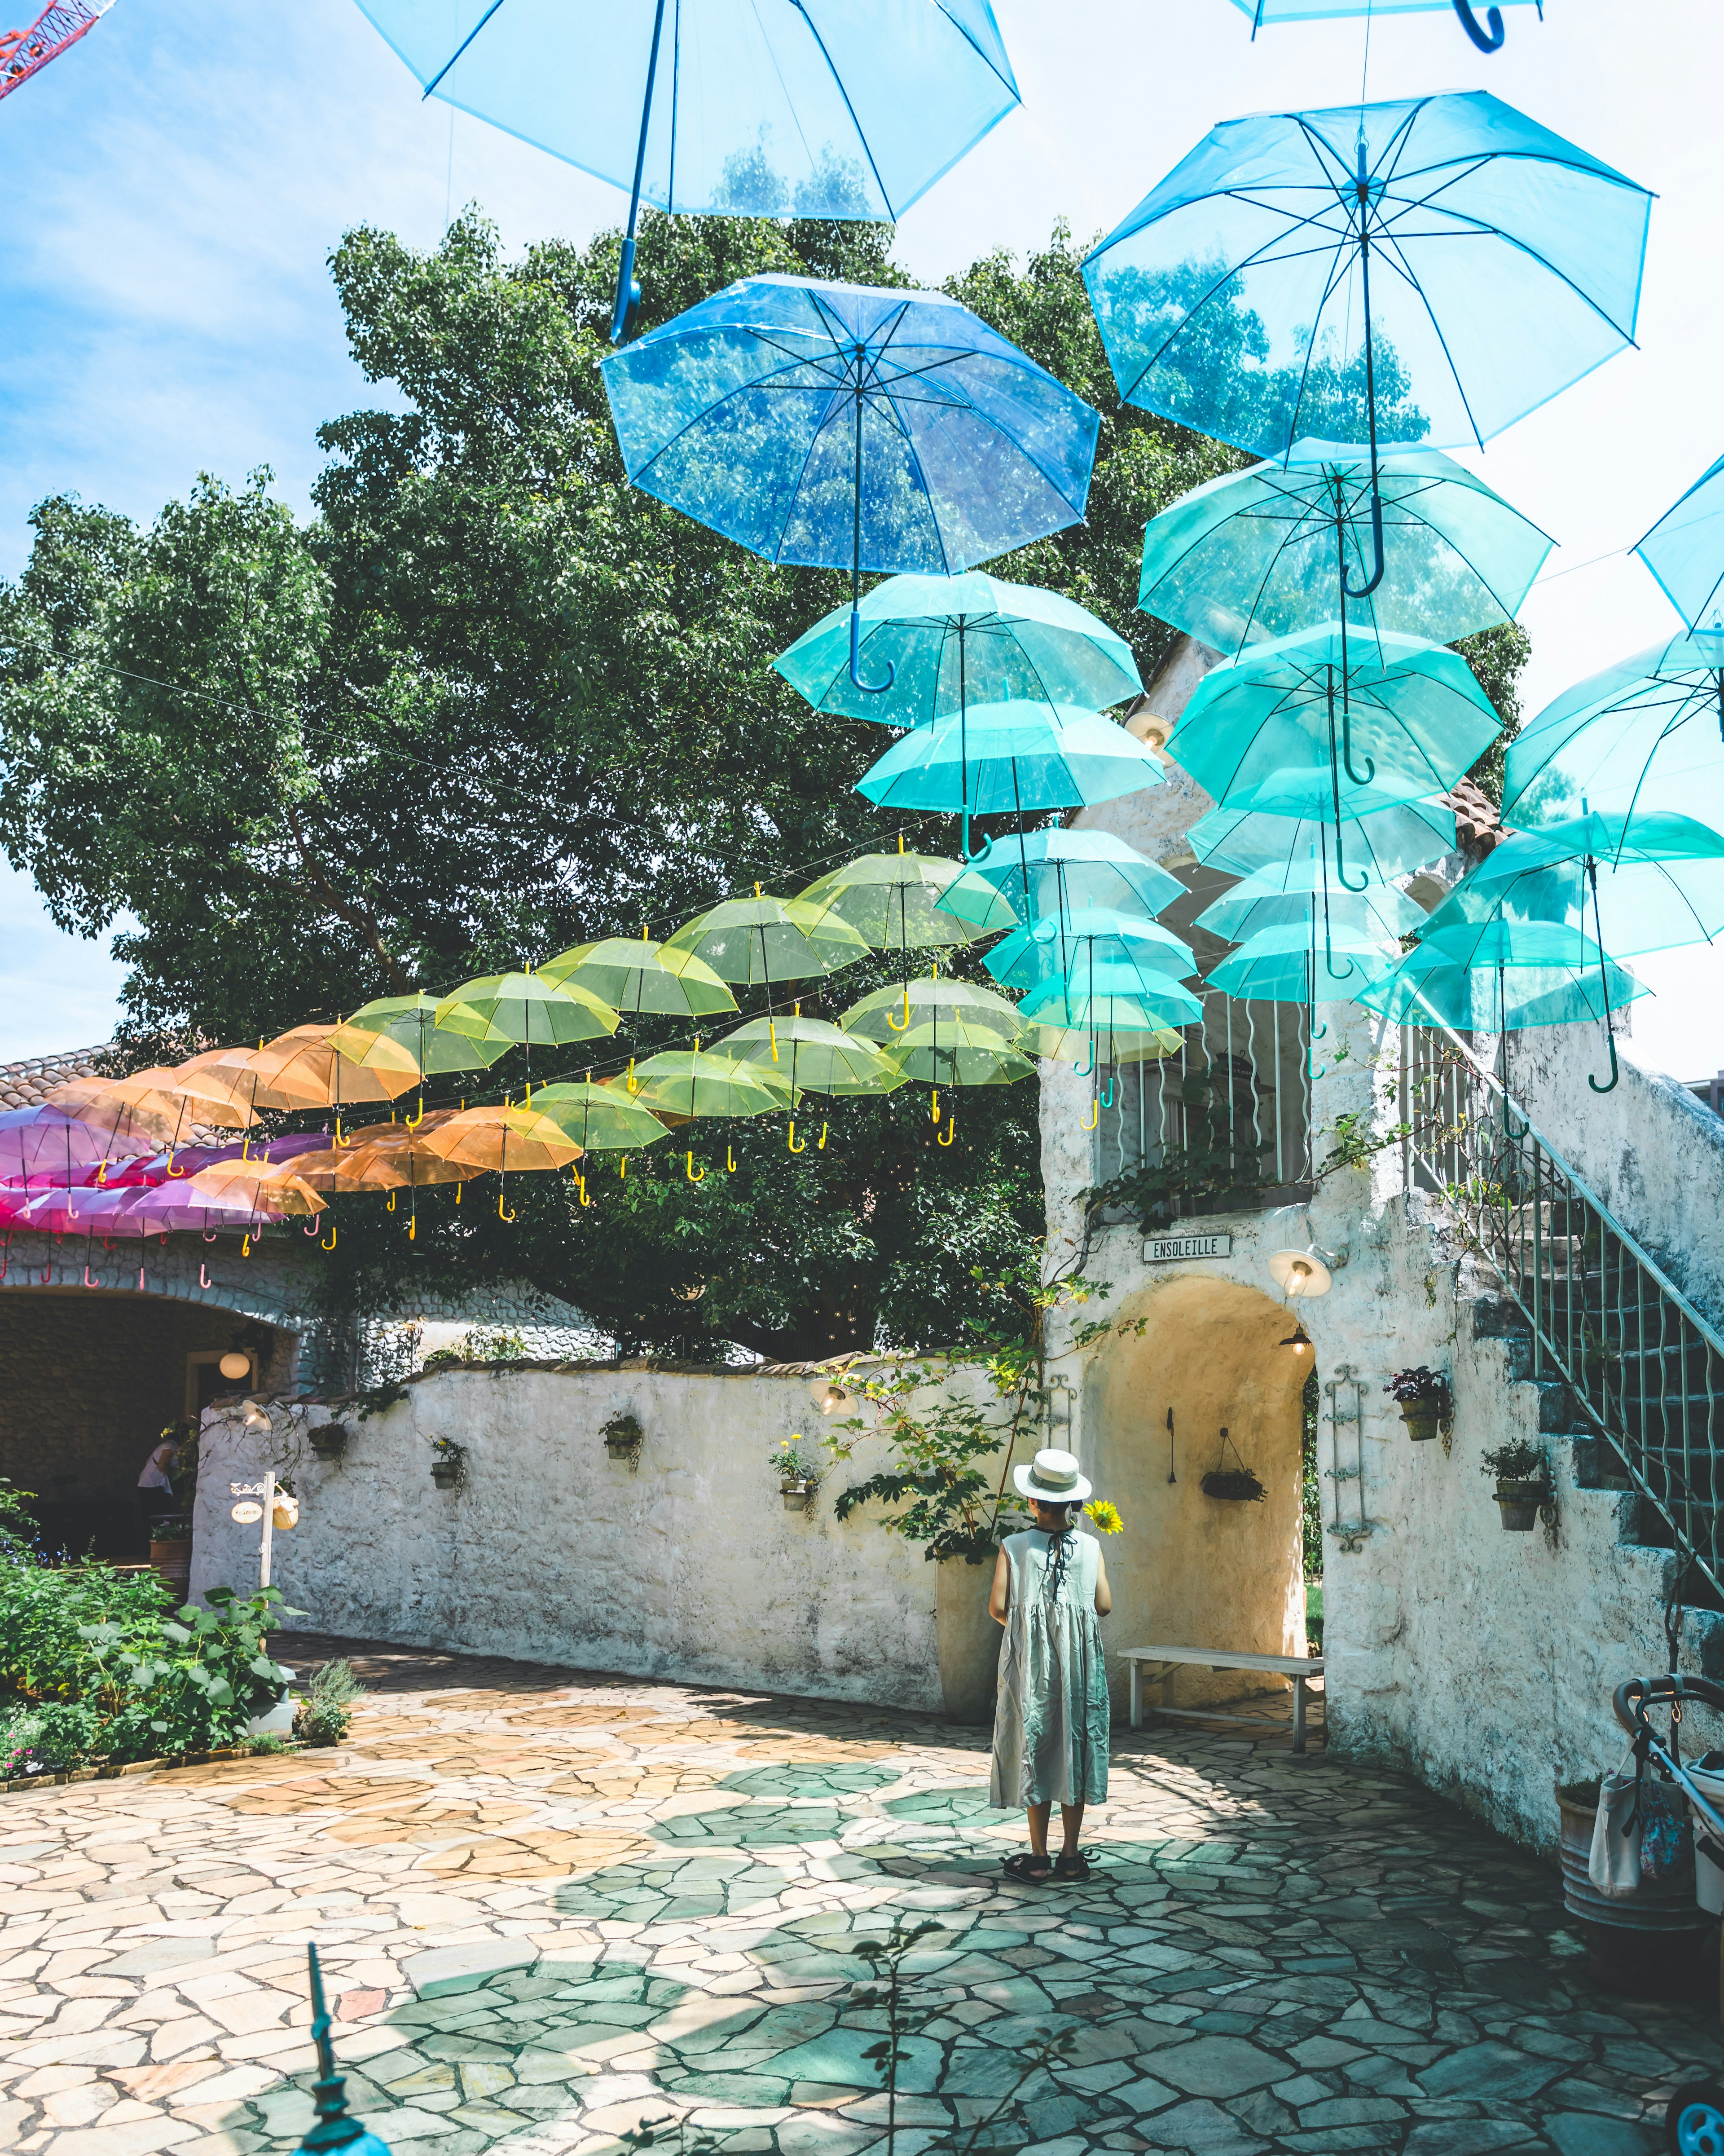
1050	1721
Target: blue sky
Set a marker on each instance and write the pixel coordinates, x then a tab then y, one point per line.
176	181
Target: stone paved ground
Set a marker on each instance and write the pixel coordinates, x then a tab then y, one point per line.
551	1905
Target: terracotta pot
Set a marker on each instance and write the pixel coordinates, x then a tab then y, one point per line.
173	1560
1518	1502
1421	1418
1654	1944
969	1642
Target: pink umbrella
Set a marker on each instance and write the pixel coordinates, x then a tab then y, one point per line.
33	1140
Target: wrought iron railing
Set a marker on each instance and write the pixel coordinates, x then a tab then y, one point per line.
1645	1369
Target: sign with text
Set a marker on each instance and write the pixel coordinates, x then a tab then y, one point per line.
1168	1250
245	1514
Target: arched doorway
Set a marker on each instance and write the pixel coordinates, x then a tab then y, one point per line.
1191	1569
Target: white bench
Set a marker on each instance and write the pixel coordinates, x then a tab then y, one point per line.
1302	1668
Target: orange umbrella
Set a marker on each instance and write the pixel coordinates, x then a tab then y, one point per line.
398	1167
503	1138
271	1186
142	1103
229	1077
306	1067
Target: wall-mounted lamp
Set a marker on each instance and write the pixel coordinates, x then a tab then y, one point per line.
1299	1273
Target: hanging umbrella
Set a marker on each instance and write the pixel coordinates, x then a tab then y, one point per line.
1061	1043
306	1068
937	1002
1685	551
751	108
399	1168
1645	733
634	974
411	1021
1301	964
139	1107
36	1140
808	1052
509	1139
1120	1002
1289	817
1033	954
892	901
527	1008
949	641
1238	297
1488	38
1043	876
602	1117
930	1055
761	940
847	426
271	1185
1407	723
996	758
230	1077
682	1084
1292	892
1271	551
1430	983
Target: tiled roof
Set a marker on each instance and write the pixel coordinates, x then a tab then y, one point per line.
23	1085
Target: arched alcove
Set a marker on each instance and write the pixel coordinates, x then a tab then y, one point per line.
1191	1569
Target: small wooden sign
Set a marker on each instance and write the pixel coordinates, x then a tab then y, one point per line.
247	1513
1170	1249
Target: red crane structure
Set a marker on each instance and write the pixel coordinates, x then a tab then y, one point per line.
23	53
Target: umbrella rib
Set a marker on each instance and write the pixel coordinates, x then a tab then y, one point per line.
837	83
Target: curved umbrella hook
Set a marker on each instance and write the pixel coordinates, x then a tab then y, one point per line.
1470	24
1363	191
1088	1069
1609	1085
1346	744
868	688
1365	591
1347	964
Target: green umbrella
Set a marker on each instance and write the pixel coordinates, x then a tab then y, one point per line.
763	940
633	975
933	1056
892	901
1072	1043
526	1009
889	1014
599	1118
681	1084
808	1052
411	1021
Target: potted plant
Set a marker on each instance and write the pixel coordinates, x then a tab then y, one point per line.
798	1476
624	1438
1522	1485
329	1439
449	1463
1423	1398
1236	1485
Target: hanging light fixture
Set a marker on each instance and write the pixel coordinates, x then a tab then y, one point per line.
234	1365
1298	1339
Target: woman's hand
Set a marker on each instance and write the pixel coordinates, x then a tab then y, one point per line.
999	1594
1104	1593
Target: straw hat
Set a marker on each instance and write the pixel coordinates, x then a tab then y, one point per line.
1054	1477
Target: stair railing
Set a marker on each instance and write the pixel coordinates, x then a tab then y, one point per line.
1642	1367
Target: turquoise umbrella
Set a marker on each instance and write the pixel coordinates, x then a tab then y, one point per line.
1684	551
1044	875
949	641
1412	713
1644	734
1285	965
1270	551
1122	1000
1018	756
1298	892
1430	983
1059	947
1488	38
1290	816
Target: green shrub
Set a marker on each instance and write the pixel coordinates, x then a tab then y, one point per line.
327	1708
50	1741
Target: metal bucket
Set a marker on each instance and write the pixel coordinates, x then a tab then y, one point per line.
1653	1944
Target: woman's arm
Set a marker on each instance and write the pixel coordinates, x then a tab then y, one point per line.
1104	1593
999	1594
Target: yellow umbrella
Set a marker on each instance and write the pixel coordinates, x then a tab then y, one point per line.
502	1139
307	1066
763	940
635	974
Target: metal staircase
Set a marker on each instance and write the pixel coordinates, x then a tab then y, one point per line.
1644	1370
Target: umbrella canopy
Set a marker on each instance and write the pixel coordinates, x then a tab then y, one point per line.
1402	717
305	1067
602	1118
933	1056
1044	875
1059	1044
1113	1008
415	1167
1644	734
751	108
887	1015
1684	551
850	426
1429	984
634	974
682	1084
1293	892
949	641
512	1139
1266	553
271	1185
230	1076
1289	817
138	1107
411	1022
809	1052
36	1140
1302	964
998	758
1309	11
1500	942
763	939
892	901
1064	945
1237	298
527	1008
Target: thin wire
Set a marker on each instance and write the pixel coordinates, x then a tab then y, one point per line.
1365	71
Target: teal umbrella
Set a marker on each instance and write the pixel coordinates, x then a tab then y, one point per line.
1097	998
1299	891
1685	551
1402	717
1268	553
1430	983
1290	816
1044	875
1295	964
949	641
1063	946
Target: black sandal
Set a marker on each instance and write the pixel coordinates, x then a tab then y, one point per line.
1072	1864
1022	1866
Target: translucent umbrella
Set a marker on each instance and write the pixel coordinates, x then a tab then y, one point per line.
682	1084
1429	984
1237	298
1488	39
751	108
961	1005
602	1117
1114	1007
305	1067
528	1008
33	1140
1644	734
1289	817
1044	875
761	940
510	1138
936	1056
1035	953
1019	758
230	1076
892	901
847	426
1685	551
139	1107
1292	892
1062	1044
949	641
1269	553
1412	713
271	1185
634	974
1287	965
811	1052
411	1021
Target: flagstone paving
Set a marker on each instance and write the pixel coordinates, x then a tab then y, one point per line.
552	1906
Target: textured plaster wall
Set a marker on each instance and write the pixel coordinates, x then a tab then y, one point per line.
690	1567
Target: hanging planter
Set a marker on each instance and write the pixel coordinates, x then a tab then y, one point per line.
624	1438
799	1478
449	1464
329	1439
1424	1401
1523	1487
1236	1485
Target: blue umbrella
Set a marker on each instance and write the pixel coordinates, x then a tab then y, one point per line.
1270	551
1237	298
1047	874
754	108
1031	955
1289	818
1488	39
1684	551
851	426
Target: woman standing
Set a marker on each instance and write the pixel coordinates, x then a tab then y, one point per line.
1050	1724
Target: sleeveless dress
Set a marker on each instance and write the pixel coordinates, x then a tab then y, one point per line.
1050	1722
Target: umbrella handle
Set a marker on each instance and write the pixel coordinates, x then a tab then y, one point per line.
981	852
1609	1085
1093	1116
1088	1069
1470	24
794	1146
1365	591
903	1025
951	1130
1106	1098
688	1170
1364	882
1369	773
868	688
627	290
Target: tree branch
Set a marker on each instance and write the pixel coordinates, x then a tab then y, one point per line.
356	916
